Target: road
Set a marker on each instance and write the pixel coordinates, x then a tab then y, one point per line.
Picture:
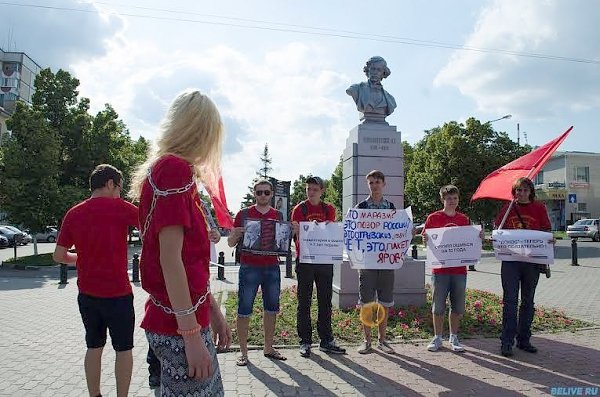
26	250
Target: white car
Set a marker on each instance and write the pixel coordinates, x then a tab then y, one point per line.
588	228
50	234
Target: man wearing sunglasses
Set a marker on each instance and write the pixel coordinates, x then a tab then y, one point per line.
257	270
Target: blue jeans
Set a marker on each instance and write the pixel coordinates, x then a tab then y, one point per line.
250	277
514	275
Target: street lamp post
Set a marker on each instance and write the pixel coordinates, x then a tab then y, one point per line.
508	116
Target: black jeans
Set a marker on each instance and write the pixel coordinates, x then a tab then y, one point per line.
514	275
322	276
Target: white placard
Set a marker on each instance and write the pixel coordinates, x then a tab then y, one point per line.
523	245
377	239
453	246
321	242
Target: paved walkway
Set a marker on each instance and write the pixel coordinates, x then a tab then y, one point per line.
42	348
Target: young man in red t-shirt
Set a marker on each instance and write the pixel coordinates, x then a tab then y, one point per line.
257	270
450	281
314	210
98	228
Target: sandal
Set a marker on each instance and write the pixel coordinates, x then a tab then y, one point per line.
242	361
275	355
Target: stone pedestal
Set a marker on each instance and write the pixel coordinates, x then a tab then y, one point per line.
409	284
376	146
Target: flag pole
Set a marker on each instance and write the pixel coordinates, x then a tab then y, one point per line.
512	203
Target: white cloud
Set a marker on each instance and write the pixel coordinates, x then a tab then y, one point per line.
289	98
529	87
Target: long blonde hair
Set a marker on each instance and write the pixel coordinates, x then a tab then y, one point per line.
191	129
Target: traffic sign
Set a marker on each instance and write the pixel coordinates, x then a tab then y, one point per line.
573	198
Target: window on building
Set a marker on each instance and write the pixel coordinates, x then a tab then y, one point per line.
581	207
581	174
539	178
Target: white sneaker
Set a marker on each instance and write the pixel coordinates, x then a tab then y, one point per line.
455	343
435	344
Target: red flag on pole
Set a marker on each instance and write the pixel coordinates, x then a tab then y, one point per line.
497	185
219	202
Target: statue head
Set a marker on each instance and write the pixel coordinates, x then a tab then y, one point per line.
376	69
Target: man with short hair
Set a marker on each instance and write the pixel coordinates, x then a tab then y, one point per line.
313	209
376	284
450	281
257	270
98	228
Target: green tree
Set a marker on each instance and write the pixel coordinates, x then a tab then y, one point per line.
265	159
298	190
461	155
29	178
334	191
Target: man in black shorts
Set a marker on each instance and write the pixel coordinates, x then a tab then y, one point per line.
98	228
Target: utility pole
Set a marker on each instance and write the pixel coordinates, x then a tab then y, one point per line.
518	136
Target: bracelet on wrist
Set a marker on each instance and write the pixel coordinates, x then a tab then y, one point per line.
189	332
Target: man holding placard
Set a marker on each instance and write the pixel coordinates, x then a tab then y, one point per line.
447	281
372	282
321	274
524	213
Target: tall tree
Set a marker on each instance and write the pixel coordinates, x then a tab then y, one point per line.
265	159
29	178
298	190
461	155
334	191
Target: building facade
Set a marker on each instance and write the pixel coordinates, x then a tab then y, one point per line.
569	185
17	77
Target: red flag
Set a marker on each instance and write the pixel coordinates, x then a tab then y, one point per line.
219	202
497	185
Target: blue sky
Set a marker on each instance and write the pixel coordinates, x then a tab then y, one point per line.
275	83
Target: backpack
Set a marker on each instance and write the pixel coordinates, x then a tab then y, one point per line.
363	205
243	217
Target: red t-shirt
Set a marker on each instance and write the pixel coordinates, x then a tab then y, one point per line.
440	219
321	212
253	259
98	228
534	216
183	209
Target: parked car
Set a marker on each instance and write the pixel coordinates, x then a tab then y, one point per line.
587	228
3	242
50	234
26	239
12	236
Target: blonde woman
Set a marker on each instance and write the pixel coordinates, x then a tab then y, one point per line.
180	311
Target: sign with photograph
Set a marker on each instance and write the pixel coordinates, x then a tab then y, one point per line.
453	246
523	245
266	237
377	239
281	197
321	242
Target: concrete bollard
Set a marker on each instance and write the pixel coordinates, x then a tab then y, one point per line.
221	267
288	266
135	268
414	252
574	252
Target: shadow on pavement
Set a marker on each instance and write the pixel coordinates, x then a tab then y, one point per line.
557	364
457	383
307	385
584	250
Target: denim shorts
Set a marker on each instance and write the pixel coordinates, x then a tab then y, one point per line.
269	280
376	284
448	284
113	314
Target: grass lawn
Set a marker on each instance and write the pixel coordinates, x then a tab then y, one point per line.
483	317
32	260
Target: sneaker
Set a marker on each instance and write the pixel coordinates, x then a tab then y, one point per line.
154	381
365	348
305	350
331	347
455	343
385	347
506	350
435	344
